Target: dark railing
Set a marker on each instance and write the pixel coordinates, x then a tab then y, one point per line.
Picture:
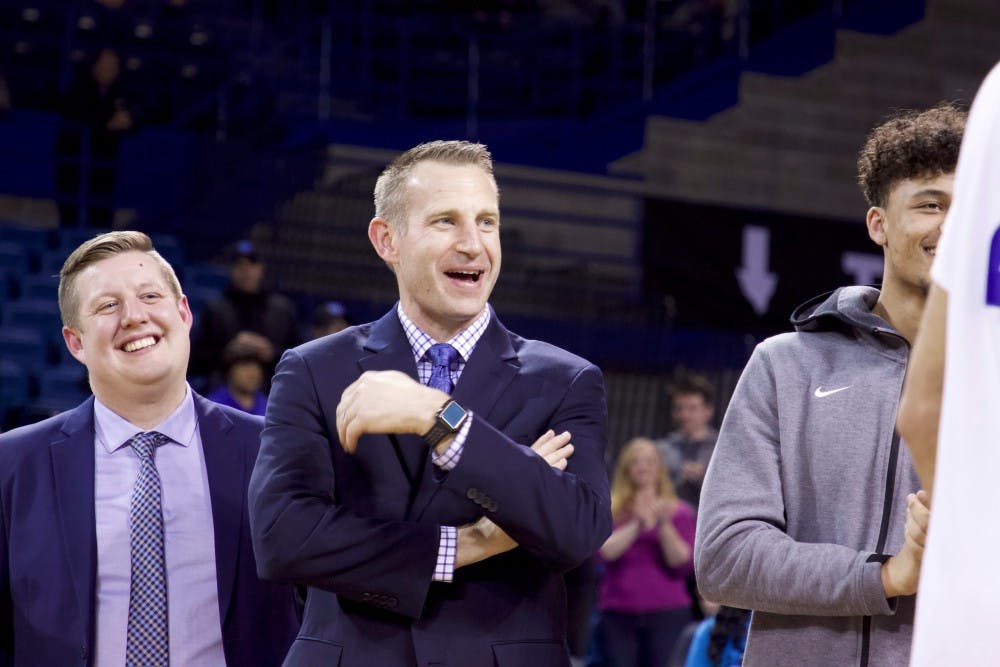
364	60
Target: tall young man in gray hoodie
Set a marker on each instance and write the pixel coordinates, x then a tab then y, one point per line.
809	514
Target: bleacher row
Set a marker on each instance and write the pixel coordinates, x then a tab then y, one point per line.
38	376
172	55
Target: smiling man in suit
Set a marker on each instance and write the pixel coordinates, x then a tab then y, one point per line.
124	536
395	478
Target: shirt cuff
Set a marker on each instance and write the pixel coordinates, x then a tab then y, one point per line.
444	569
449	459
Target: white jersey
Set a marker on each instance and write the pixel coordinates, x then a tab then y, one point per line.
958	603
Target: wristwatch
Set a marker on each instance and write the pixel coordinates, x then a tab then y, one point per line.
447	421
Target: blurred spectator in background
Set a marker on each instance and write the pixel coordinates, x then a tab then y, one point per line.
328	318
95	116
643	596
246	314
720	640
5	104
687	450
245	381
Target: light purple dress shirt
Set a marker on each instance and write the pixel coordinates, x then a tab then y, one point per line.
189	538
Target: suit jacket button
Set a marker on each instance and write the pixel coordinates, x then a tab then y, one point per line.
472	493
493	506
366	597
391	602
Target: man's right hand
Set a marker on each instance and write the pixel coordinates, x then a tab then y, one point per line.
901	572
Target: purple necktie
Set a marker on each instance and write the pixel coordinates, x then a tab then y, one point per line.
147	642
442	356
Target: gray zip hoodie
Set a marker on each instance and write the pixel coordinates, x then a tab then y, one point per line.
805	495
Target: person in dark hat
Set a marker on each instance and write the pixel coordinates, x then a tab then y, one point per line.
245	381
328	318
246	314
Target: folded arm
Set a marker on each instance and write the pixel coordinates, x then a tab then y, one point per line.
301	534
560	516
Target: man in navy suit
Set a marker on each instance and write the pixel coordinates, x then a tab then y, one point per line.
124	534
396	479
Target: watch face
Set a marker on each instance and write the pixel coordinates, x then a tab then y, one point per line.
453	415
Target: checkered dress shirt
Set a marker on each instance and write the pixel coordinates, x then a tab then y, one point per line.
465	343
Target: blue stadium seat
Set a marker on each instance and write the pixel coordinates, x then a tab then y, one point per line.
62	355
40	286
15	261
26	347
71	237
10	285
52	262
199	297
39	314
205	276
63	385
39	410
171	250
15	384
35	241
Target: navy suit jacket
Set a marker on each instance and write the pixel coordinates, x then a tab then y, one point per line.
48	543
347	526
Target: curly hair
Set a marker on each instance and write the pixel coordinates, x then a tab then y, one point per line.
911	144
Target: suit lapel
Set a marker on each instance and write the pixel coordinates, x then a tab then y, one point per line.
72	454
225	466
489	371
388	350
491	368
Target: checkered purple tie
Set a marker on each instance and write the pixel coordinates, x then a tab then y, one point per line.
147	644
442	356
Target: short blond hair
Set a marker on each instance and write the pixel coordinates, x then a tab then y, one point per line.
390	188
98	249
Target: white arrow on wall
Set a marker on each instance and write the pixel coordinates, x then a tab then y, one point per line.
756	282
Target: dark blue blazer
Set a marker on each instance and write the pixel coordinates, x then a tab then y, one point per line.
48	544
364	540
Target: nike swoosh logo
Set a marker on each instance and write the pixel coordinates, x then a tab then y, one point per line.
819	393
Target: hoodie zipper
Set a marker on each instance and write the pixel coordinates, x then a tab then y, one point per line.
883	534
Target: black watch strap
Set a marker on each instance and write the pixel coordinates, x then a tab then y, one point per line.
447	421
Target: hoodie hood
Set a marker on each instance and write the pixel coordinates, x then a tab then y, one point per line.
844	308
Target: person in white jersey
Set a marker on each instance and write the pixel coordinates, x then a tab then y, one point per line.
955	375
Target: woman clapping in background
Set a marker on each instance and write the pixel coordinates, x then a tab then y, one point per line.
643	598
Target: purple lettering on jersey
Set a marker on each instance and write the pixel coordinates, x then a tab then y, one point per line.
993	272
